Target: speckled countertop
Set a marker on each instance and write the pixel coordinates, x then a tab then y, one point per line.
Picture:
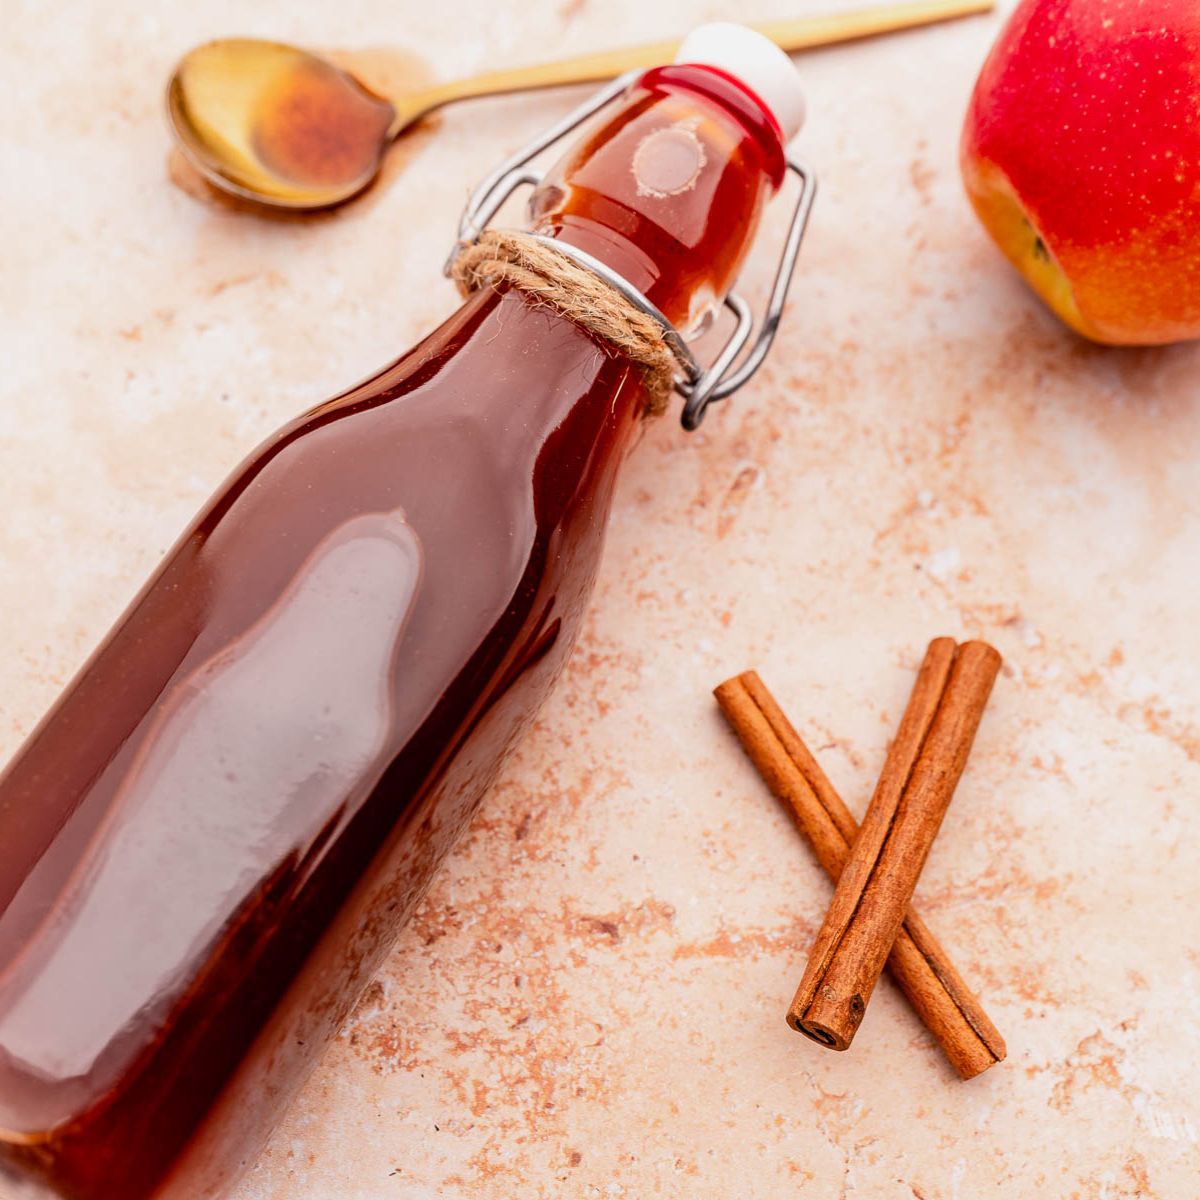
590	1002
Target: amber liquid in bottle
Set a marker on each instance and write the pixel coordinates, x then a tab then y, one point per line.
211	840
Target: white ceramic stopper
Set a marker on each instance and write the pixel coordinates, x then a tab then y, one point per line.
753	60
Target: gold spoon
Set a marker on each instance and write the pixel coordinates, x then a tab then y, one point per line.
278	125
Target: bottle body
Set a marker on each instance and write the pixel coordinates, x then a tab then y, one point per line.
208	844
357	651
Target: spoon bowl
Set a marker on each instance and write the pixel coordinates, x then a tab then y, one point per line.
276	124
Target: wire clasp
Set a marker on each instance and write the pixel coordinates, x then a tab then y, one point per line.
699	385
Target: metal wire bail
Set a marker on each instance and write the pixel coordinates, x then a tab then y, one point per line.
699	386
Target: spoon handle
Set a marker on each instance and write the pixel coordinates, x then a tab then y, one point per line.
801	33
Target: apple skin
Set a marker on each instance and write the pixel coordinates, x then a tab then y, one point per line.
1081	155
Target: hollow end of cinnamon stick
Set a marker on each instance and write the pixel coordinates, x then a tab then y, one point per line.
815	1031
829	1019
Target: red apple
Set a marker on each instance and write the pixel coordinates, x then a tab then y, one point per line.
1081	155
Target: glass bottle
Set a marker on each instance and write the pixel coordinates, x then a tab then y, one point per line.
211	840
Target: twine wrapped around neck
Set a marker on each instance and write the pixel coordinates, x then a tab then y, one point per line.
551	278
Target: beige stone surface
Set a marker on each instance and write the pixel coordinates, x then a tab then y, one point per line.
591	1000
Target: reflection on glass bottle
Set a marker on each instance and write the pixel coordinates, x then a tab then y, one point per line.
249	763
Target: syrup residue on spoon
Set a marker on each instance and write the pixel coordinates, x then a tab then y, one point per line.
317	127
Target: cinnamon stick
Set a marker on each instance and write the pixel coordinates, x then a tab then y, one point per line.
919	776
918	963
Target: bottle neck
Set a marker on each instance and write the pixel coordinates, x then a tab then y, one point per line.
668	189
